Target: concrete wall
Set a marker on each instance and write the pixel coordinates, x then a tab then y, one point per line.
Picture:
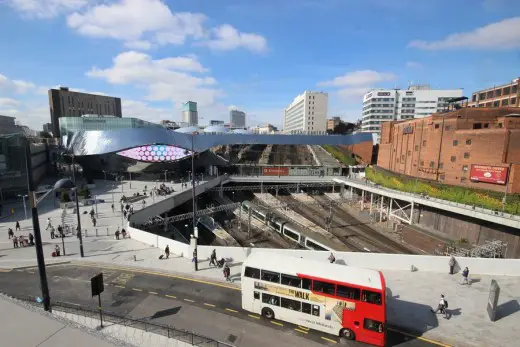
178	198
378	261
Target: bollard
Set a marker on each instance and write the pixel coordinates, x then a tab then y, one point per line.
97	232
107	231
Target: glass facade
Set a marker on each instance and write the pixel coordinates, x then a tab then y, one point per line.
73	124
189	106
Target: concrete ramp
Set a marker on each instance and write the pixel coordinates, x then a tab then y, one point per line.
176	199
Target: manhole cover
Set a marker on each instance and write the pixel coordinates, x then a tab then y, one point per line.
232	338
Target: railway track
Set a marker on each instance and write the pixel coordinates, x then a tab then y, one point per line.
314	213
368	235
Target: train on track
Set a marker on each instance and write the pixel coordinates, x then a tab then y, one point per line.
287	229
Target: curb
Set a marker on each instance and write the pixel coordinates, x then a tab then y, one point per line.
416	335
46	265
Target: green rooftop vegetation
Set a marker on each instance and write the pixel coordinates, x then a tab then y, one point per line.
481	198
341	154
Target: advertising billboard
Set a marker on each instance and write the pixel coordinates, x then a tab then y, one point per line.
276	171
156	153
489	174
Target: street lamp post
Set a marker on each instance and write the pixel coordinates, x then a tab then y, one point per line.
36	228
66	184
195	230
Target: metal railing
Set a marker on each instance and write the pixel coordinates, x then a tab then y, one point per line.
130	330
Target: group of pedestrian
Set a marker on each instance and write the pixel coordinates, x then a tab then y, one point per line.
20	241
127	210
121	232
93	217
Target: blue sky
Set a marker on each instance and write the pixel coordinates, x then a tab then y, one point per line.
256	55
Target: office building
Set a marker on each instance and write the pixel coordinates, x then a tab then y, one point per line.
506	95
333	122
264	129
47	127
216	122
307	112
8	125
418	101
237	119
66	103
190	114
473	147
69	125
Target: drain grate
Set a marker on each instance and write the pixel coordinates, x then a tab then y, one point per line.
232	338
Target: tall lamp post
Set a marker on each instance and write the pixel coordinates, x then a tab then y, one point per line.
66	184
24	207
36	228
195	230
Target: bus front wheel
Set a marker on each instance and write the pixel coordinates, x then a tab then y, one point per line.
267	313
347	333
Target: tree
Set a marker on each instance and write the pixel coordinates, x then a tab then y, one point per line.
343	128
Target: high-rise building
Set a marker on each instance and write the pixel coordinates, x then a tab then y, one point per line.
505	95
189	113
418	101
47	127
65	103
8	125
237	119
307	112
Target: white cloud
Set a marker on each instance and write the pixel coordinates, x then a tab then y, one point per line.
46	8
139	44
164	79
142	110
359	78
227	38
7	102
352	94
501	35
16	86
414	65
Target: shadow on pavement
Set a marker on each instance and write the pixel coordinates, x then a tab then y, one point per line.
165	313
507	309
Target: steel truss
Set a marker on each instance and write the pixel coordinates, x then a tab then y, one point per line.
263	187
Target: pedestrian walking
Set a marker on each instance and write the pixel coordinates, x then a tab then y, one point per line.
443	305
226	272
15	242
94	221
167	251
53	235
332	258
49	224
465	274
452	264
31	239
17	226
10	233
117	234
92	212
124	213
144	203
78	232
113	209
123	232
213	258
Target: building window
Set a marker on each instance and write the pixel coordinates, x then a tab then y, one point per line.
455	142
514	89
477	126
466	155
441	165
482	96
409	153
474	97
468	141
505	102
442	177
424	143
513	101
498	92
496	103
453	158
486	125
432	164
464	168
416	148
506	91
436	126
422	163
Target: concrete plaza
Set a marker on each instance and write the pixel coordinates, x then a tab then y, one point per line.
411	294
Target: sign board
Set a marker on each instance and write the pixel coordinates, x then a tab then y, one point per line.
494	293
489	174
383	94
407	130
96	284
276	171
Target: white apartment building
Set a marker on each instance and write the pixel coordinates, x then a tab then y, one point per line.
308	112
418	101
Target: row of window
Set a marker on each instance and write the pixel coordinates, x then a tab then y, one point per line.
495	93
316	286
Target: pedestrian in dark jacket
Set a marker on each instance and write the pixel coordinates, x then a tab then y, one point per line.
167	251
226	272
452	265
465	274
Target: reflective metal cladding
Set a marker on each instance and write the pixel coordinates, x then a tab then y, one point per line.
110	141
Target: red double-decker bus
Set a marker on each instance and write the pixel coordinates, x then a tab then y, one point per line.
336	299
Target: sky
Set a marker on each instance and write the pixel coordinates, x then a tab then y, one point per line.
253	55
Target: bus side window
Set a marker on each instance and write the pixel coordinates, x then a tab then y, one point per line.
256	295
371	297
252	272
306	283
306	308
270	276
348	292
292	281
270	299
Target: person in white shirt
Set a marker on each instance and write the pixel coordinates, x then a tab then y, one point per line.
443	305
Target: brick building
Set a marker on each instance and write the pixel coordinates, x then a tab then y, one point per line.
473	147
